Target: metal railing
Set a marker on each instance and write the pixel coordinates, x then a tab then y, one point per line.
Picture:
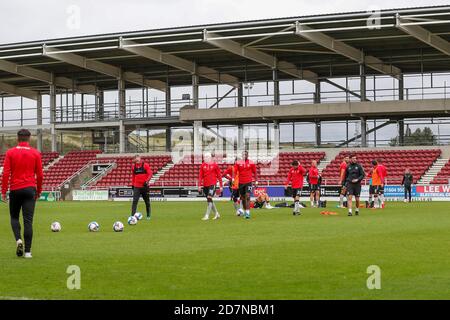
97	177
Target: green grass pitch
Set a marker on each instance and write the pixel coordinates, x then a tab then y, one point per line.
272	256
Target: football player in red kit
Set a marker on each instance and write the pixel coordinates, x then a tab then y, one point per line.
295	179
246	169
208	177
342	170
383	176
313	180
228	174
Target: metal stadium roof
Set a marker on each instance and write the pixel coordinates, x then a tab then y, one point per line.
411	40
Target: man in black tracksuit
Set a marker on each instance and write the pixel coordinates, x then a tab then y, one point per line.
354	174
407	183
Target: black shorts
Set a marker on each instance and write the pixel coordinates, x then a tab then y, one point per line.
314	188
372	189
380	190
234	194
246	188
209	191
354	189
296	192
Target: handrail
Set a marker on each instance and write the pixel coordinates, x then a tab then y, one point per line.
107	170
76	173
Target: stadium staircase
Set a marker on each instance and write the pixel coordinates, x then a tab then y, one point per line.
160	173
443	176
433	172
120	175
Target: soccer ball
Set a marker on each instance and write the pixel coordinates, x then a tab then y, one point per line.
55	227
138	215
93	226
118	226
240	212
132	220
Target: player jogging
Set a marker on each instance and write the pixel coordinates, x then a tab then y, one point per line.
383	176
353	177
246	169
22	173
228	174
208	176
295	179
342	169
313	180
141	175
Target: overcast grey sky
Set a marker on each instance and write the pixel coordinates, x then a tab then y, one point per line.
26	20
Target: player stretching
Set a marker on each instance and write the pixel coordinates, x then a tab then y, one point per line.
246	169
383	176
342	169
228	174
313	180
295	179
353	177
208	176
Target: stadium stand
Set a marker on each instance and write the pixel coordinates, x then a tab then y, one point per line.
66	167
443	177
121	174
396	161
271	172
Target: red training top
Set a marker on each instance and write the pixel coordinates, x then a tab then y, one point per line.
22	169
209	174
141	173
313	175
232	176
295	176
382	172
342	169
246	170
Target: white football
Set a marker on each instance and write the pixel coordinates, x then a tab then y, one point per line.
118	226
93	226
132	220
55	227
240	212
138	215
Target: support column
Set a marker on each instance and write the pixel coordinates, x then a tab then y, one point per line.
39	122
240	101
401	88
317	96
101	104
363	91
195	91
275	147
401	132
122	114
168	100
318	123
122	134
198	146
318	133
82	107
363	132
53	116
276	87
169	139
